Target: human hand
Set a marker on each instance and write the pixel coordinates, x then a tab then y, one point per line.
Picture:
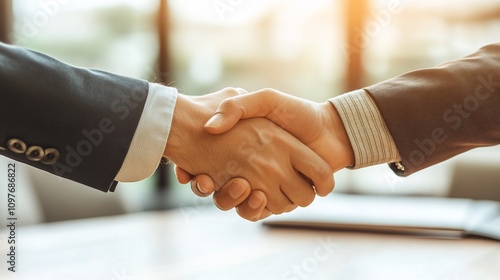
244	152
237	193
317	125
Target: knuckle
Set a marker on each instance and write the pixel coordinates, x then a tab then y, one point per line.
229	92
268	91
241	91
229	103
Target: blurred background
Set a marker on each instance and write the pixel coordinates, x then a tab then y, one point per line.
312	49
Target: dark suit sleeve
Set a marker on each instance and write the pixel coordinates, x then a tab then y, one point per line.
434	114
73	122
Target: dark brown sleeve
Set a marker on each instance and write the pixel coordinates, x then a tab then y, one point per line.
437	113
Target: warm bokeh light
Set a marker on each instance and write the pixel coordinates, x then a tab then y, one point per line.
312	49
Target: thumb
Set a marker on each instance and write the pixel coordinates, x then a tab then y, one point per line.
251	105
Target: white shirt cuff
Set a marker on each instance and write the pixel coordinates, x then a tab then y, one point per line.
150	138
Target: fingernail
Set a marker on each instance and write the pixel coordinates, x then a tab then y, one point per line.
255	201
201	188
236	190
214	121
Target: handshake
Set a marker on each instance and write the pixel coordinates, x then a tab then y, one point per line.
262	153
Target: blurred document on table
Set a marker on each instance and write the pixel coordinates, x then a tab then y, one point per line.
429	216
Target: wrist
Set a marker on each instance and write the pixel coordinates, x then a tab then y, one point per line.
341	154
185	128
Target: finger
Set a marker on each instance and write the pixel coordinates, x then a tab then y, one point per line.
298	190
241	91
264	214
202	185
313	167
231	110
278	201
253	207
182	176
291	208
231	92
232	194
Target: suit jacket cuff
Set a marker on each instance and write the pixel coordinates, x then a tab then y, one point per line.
370	139
150	138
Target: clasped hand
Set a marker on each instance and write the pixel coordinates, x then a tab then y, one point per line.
263	153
